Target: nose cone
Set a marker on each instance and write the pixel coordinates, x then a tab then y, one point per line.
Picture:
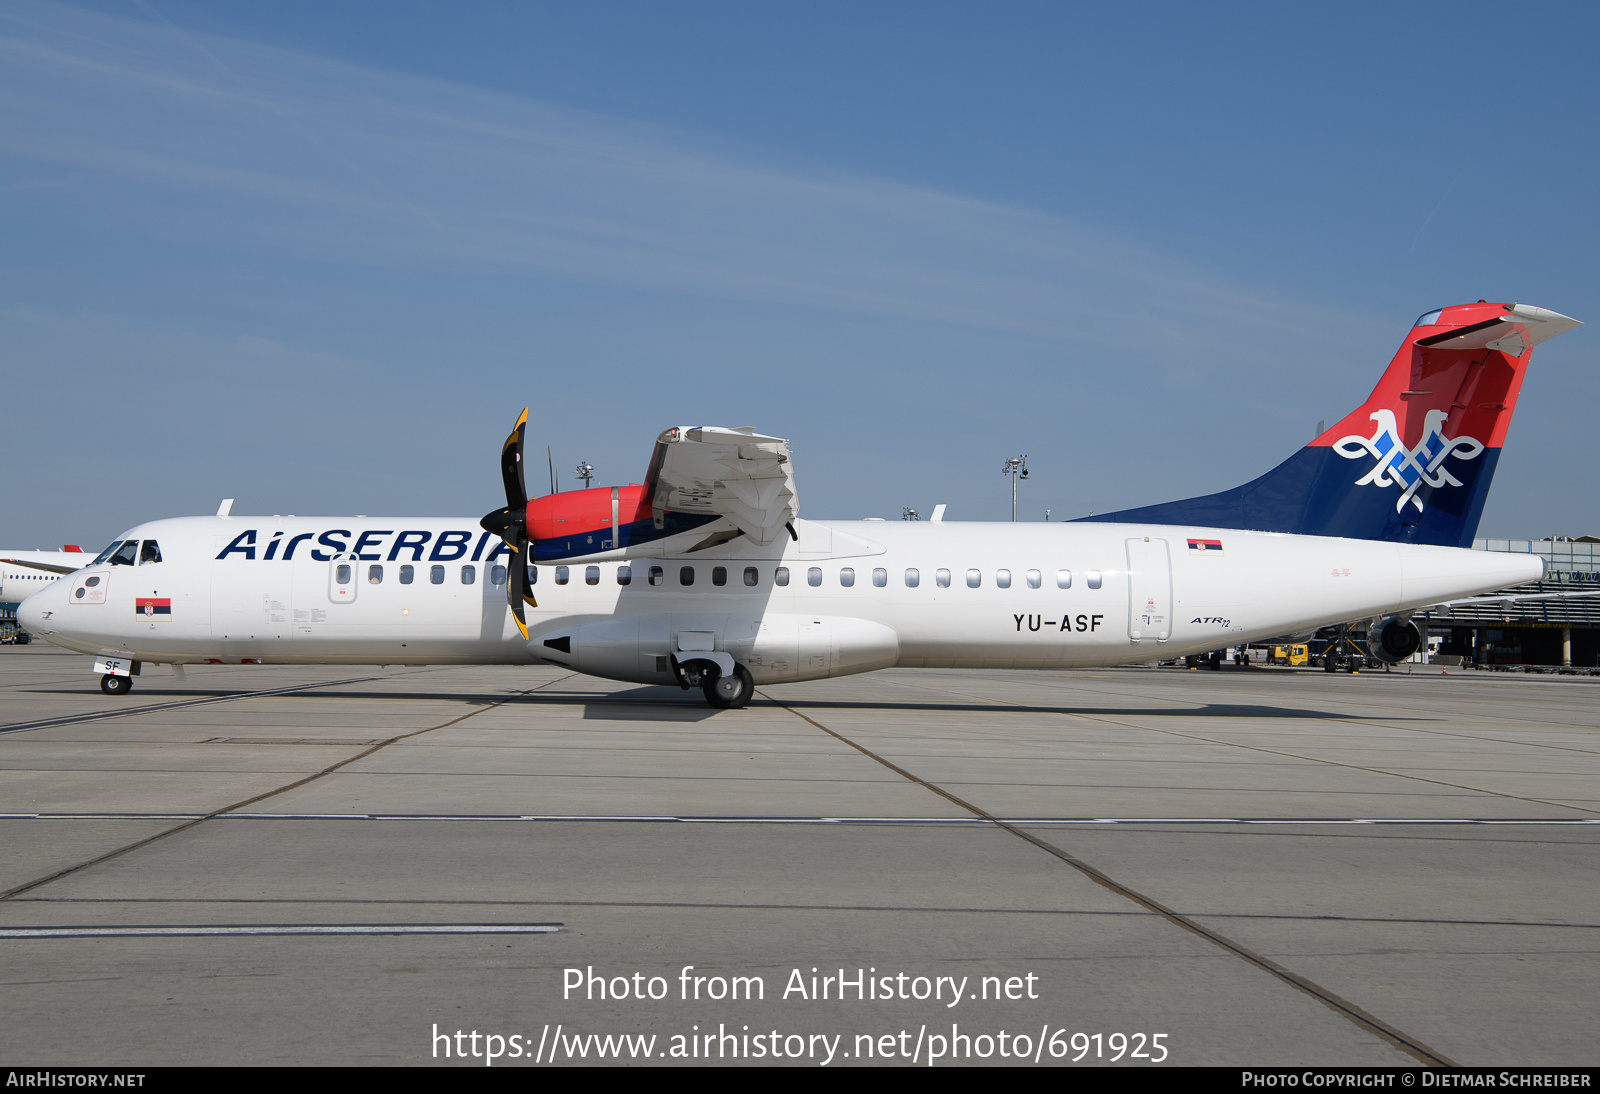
37	614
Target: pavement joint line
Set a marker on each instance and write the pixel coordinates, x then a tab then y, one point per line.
202	930
67	871
1565	822
774	906
1292	755
129	712
1405	1043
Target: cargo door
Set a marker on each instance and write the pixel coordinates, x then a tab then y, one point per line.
1149	590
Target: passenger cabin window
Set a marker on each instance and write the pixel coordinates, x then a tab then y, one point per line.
591	575
533	575
847	576
751	577
1092	578
1063	579
374	575
686	575
406	574
974	578
1002	578
814	576
563	574
624	575
1035	579
880	577
658	576
126	553
941	578
436	575
780	576
150	552
497	575
341	573
913	577
469	574
719	576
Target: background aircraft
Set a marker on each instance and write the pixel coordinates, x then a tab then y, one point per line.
23	573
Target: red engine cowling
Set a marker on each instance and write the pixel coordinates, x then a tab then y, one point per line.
584	512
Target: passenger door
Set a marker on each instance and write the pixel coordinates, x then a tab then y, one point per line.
1149	590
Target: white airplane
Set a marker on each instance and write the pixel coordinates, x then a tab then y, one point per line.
705	574
23	573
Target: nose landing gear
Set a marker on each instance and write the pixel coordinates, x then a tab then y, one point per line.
116	685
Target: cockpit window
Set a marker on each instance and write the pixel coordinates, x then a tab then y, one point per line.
103	555
150	552
126	553
1428	319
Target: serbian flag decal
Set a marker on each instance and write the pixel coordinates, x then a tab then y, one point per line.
153	607
1205	546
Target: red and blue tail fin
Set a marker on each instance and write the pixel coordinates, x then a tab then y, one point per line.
1413	464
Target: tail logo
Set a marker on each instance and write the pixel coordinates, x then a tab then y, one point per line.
1409	469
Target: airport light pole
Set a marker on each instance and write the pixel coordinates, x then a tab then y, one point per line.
1015	466
586	473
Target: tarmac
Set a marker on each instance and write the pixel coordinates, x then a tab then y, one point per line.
344	865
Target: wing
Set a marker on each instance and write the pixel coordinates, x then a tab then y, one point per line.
46	567
737	474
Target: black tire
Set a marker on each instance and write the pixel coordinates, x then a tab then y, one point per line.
730	692
1330	664
116	685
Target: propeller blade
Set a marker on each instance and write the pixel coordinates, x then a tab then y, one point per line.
517	590
511	525
511	465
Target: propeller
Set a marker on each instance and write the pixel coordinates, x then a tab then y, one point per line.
511	524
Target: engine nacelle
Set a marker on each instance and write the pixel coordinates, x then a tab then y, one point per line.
1393	639
776	648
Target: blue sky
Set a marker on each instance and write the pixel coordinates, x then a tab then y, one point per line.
318	256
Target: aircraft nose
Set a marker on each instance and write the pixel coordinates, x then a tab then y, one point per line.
36	615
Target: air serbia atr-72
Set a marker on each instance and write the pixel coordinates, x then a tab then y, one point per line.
705	575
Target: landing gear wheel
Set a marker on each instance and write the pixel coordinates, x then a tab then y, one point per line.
115	685
730	692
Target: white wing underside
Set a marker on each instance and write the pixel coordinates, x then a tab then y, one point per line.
737	474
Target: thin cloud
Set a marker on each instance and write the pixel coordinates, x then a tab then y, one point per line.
360	166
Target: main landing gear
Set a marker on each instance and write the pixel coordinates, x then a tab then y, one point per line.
116	685
730	692
723	690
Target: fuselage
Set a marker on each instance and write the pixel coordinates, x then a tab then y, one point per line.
837	597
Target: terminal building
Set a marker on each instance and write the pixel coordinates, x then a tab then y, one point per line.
1560	631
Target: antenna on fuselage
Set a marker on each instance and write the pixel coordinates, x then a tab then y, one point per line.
551	460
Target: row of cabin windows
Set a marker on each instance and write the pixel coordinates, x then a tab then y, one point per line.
657	575
408	574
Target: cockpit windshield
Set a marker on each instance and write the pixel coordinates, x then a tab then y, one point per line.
107	553
126	553
150	552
